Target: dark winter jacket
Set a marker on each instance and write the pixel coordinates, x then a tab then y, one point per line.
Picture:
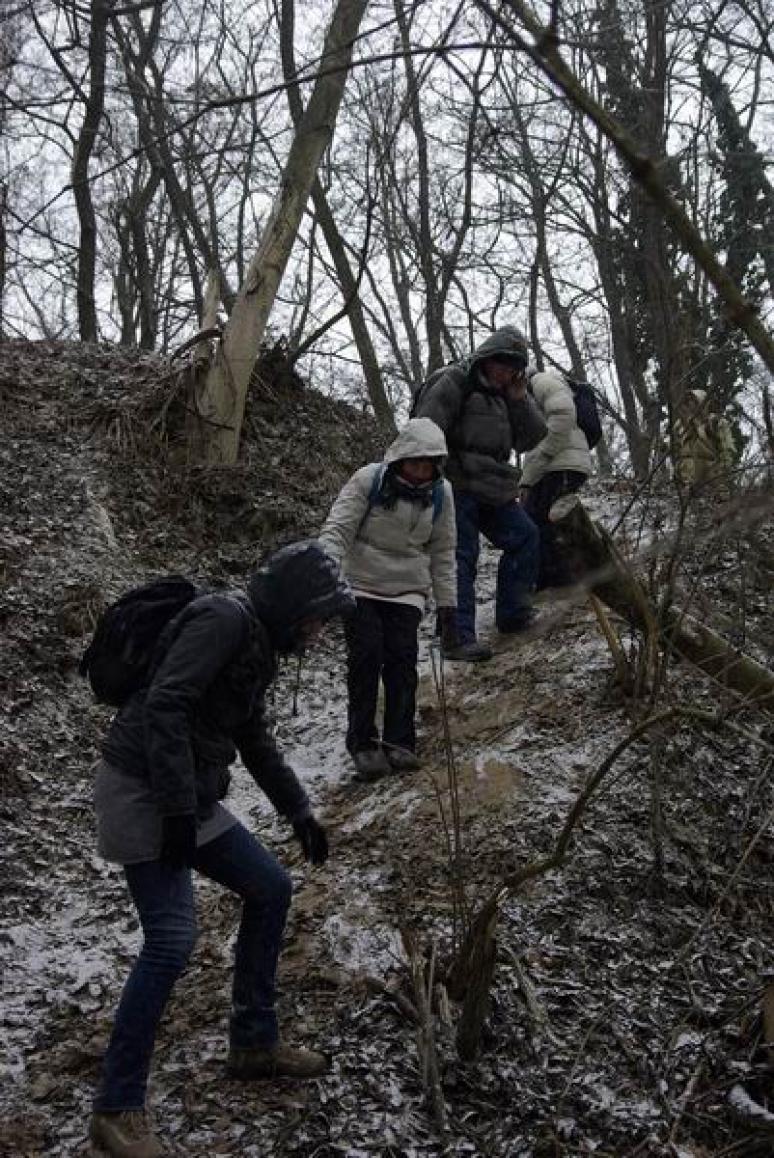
205	703
481	425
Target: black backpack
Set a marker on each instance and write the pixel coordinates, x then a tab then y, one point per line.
119	659
586	411
421	389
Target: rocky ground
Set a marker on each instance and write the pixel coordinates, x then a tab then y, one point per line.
623	1012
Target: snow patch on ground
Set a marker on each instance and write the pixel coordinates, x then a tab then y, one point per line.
363	948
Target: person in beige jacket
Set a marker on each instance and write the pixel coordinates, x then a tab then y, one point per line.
704	448
392	529
558	465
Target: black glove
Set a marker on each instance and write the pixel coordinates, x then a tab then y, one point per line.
178	840
447	627
313	840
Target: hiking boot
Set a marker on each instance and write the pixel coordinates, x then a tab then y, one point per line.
125	1134
472	652
523	623
370	764
281	1061
402	759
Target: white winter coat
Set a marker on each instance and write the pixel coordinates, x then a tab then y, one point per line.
565	446
395	551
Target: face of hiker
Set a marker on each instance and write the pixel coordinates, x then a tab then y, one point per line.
310	630
503	374
416	471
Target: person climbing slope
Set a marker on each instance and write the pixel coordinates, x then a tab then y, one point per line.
164	772
393	529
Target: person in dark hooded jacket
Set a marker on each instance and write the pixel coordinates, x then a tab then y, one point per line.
483	407
164	772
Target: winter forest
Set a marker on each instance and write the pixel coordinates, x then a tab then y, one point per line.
235	241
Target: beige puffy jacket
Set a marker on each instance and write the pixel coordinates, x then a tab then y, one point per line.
396	550
565	446
704	445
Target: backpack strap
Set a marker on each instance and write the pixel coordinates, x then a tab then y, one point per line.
376	486
437	499
373	493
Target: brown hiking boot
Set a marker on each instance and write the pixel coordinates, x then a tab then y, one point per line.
125	1134
281	1061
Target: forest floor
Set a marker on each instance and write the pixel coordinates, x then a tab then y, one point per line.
623	1012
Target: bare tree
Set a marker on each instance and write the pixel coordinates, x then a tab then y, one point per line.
465	189
92	115
136	283
541	44
3	250
348	280
221	400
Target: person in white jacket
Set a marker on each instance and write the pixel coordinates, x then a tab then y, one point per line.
557	466
393	530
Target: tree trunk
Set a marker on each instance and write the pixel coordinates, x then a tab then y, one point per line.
423	229
768	421
335	242
595	554
626	369
221	400
153	126
134	275
87	222
3	251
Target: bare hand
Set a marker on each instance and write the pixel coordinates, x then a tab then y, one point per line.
516	390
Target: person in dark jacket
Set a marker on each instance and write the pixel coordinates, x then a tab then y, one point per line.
483	407
164	772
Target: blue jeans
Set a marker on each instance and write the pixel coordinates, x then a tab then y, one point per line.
510	530
165	903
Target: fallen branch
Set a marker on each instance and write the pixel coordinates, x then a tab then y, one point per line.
391	990
534	1007
611	580
685	1099
204	335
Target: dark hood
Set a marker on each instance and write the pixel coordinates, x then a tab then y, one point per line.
297	583
508	342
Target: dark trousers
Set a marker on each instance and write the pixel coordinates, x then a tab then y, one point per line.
382	645
164	900
508	528
553	570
